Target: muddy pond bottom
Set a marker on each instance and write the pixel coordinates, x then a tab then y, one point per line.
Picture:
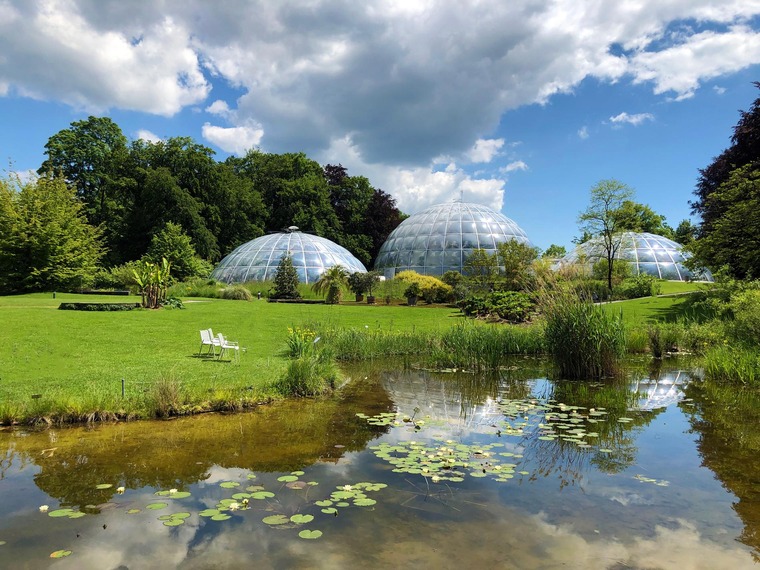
402	469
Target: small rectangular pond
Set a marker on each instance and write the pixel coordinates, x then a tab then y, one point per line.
403	469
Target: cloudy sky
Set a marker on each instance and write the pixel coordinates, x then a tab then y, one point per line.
521	105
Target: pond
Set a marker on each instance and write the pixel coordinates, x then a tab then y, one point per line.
403	468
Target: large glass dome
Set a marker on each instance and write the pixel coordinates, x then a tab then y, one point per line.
441	238
258	259
646	253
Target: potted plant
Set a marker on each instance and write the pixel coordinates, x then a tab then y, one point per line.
371	278
357	285
411	293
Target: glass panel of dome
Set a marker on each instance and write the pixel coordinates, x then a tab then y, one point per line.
662	255
454	227
669	271
469	241
645	255
482	227
453	241
649	269
627	254
433	259
439	228
435	242
469	228
420	242
486	241
452	259
417	257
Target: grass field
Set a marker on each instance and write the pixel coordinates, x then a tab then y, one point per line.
87	354
73	362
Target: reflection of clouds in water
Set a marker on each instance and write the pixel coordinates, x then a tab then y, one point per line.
506	538
218	474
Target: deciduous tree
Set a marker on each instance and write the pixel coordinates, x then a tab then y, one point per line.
600	219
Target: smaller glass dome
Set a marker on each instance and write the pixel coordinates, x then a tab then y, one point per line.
257	260
442	237
646	253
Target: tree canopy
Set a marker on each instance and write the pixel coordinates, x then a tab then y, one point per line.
132	191
602	219
46	243
727	201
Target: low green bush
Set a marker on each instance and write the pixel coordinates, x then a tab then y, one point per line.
642	285
99	306
511	306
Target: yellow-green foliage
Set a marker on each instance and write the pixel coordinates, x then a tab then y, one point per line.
433	289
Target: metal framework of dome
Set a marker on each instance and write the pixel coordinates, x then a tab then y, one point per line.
257	260
440	238
645	253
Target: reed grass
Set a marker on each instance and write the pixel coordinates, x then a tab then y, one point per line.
733	364
585	341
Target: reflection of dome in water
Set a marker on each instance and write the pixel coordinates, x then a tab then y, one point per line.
441	401
441	238
661	392
258	259
645	253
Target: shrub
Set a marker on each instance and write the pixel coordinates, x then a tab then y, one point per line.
167	397
300	341
512	306
745	327
236	293
642	285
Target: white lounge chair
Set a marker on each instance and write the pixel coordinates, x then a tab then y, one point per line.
225	344
208	339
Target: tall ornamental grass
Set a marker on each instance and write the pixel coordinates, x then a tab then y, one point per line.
584	341
733	364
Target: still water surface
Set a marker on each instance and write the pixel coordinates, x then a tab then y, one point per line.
514	471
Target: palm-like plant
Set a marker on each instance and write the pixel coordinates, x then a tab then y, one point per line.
331	282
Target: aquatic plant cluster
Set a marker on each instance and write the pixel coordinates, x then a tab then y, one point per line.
520	421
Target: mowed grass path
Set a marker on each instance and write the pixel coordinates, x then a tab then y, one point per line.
48	351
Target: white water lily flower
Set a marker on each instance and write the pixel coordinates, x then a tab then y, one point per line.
234	506
44	508
435	478
346	487
120	490
172	491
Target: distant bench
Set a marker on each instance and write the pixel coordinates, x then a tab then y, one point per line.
300	301
98	306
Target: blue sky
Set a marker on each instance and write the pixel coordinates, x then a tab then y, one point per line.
519	105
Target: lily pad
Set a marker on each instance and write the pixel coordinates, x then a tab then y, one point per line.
209	513
262	495
229	485
60	554
310	534
301	519
274	520
330	511
157	506
133	511
364	502
287	478
61	513
103	486
220	517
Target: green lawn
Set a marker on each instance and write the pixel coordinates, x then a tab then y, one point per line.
46	349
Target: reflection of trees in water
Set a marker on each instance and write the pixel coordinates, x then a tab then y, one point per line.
174	454
727	421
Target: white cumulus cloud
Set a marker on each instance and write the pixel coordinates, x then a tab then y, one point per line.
148	136
235	140
484	150
634	120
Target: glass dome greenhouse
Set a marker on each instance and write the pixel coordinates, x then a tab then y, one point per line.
257	260
440	238
645	253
